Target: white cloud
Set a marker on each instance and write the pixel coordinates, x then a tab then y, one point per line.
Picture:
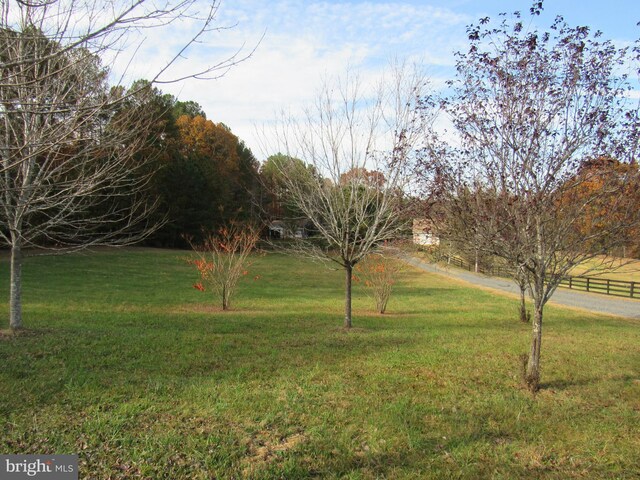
306	42
303	43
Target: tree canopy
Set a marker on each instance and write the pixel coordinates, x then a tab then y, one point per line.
206	176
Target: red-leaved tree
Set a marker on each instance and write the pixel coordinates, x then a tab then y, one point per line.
222	259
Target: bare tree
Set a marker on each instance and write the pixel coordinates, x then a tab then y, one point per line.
466	217
69	176
531	108
347	134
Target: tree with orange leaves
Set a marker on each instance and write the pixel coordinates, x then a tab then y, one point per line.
608	192
378	272
222	260
209	181
370	178
214	149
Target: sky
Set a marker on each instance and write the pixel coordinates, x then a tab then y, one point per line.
299	43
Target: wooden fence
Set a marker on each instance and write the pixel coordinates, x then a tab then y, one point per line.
493	272
605	286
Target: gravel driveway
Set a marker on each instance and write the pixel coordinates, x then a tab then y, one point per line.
588	301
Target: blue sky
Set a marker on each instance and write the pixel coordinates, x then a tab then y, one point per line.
306	41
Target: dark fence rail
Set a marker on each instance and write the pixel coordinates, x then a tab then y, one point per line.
604	286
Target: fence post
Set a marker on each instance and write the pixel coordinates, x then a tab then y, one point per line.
570	283
608	283
632	285
587	284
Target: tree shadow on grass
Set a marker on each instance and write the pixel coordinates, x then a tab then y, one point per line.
9	334
564	384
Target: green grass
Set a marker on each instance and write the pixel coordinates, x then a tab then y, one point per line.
143	376
624	269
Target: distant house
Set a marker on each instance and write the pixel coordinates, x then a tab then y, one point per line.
276	229
423	233
280	229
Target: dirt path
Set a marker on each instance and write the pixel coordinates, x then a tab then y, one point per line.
587	301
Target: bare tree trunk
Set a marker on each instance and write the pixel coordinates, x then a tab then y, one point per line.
224	298
524	317
15	295
347	299
476	267
532	375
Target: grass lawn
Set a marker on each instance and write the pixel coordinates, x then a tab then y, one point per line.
624	269
127	365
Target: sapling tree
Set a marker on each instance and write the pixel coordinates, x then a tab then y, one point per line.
531	108
349	132
467	218
222	260
378	272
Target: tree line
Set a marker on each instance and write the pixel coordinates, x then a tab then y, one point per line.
204	176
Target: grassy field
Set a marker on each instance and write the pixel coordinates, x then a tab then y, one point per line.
625	269
143	376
